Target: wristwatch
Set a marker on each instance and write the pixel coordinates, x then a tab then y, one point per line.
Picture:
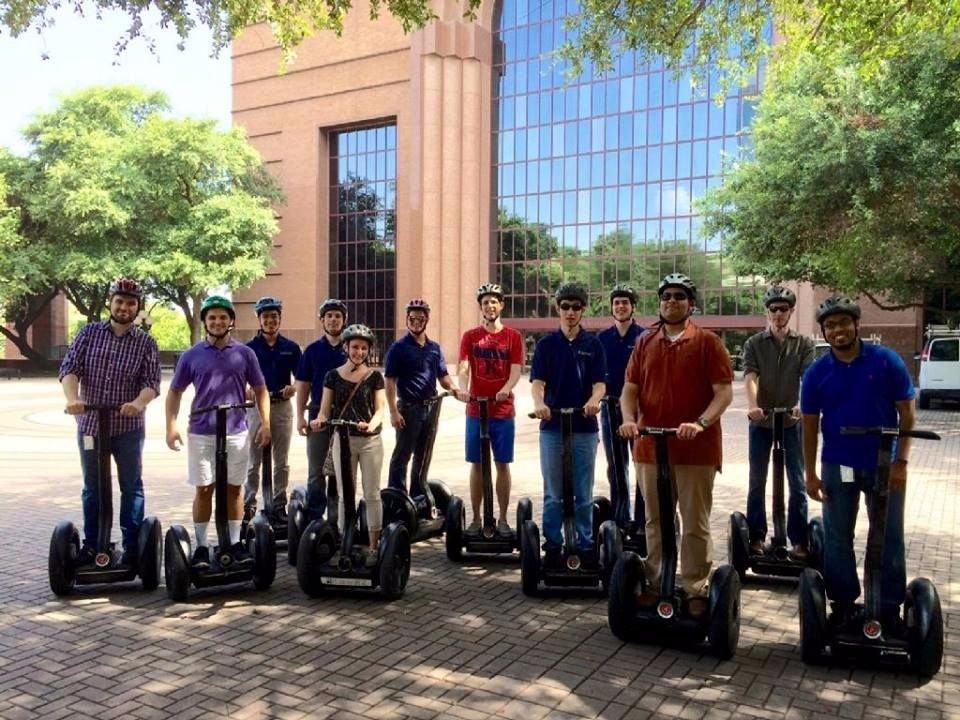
703	422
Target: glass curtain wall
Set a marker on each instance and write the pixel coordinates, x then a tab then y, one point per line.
596	178
363	241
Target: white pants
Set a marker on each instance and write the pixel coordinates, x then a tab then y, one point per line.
367	452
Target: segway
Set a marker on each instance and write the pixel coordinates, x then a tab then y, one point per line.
774	559
916	640
424	512
179	571
575	569
325	561
620	533
488	540
297	504
275	515
668	621
107	568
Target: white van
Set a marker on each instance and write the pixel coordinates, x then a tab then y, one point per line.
939	366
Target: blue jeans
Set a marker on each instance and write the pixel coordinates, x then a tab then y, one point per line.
622	446
411	440
551	465
839	522
761	441
127	452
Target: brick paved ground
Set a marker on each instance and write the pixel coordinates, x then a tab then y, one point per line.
463	642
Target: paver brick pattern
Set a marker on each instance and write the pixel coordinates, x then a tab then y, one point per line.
463	642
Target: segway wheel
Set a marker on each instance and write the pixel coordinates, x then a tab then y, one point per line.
610	542
453	528
296	519
176	563
317	545
738	544
62	560
394	561
262	546
363	529
151	552
530	558
602	511
815	540
398	508
524	511
924	627
724	633
626	582
813	616
441	495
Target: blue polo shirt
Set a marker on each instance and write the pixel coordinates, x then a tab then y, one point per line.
278	363
858	393
617	350
416	369
569	368
318	359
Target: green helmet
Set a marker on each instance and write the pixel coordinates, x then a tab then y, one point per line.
217	301
625	291
571	291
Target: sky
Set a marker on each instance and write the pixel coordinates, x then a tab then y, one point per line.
80	52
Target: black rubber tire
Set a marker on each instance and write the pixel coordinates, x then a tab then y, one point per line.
602	511
296	517
524	513
394	561
441	495
530	558
812	596
176	567
398	508
924	627
626	580
738	544
724	633
923	400
317	544
610	542
815	542
453	529
262	546
62	559
150	553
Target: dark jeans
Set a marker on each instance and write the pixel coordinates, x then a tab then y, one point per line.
127	452
622	446
551	465
761	442
839	522
411	440
321	481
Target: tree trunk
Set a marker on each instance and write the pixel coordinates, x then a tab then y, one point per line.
28	310
193	317
20	341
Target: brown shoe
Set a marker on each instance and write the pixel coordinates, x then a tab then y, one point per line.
799	553
697	607
647	599
756	547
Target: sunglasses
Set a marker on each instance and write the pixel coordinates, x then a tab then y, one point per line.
779	309
576	307
673	296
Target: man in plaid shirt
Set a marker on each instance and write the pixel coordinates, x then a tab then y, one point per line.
113	363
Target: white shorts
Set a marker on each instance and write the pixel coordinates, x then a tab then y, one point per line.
201	453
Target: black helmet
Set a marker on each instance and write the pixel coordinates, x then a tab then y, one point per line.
776	292
489	289
358	332
678	280
623	290
332	304
571	291
268	303
418	304
836	304
126	286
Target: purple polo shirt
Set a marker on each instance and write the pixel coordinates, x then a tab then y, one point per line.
218	377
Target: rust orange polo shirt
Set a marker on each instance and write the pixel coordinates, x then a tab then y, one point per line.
676	381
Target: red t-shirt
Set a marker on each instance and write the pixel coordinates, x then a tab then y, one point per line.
490	356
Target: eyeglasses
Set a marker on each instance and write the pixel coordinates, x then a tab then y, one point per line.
673	296
779	309
566	307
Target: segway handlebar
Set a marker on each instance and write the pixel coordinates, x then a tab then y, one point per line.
439	396
560	411
277	396
897	432
337	422
654	431
95	407
777	410
225	406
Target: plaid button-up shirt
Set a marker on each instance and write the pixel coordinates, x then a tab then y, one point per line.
112	370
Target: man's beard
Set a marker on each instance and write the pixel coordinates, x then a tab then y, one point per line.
221	336
118	321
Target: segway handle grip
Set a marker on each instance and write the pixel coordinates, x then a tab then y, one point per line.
95	407
668	432
335	422
225	406
481	398
439	396
776	410
560	411
277	395
919	434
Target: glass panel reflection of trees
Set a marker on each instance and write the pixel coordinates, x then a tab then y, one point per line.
596	179
363	203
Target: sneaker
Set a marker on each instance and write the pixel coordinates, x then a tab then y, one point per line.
474	527
756	547
201	558
372	558
249	512
503	527
240	556
129	558
799	553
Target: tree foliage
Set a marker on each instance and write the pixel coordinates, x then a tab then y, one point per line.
853	184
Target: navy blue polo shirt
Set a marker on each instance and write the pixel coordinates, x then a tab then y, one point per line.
617	350
859	393
569	368
416	369
318	359
278	363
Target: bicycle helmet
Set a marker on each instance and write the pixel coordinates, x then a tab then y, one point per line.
776	292
490	289
418	304
332	304
217	301
358	332
837	304
625	291
678	280
126	286
268	303
571	291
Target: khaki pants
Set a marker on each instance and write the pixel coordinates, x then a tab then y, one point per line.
367	452
693	488
281	428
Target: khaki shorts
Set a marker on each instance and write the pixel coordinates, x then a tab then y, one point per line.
201	452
